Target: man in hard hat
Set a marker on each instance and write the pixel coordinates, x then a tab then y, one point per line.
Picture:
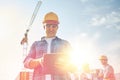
107	73
49	44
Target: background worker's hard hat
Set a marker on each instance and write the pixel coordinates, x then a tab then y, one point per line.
103	57
51	18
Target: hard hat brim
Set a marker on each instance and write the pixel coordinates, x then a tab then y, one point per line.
51	22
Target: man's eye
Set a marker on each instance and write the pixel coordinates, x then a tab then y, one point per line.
51	25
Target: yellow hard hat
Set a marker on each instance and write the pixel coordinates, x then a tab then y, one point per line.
51	18
103	57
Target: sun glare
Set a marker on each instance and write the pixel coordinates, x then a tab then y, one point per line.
83	53
79	58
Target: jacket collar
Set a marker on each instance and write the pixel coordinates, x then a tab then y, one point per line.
43	38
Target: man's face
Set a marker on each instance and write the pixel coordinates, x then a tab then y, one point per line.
103	61
51	30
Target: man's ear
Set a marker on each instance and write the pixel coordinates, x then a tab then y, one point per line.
44	26
57	27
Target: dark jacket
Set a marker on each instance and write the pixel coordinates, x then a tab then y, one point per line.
39	48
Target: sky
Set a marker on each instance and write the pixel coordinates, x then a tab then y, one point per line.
91	26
